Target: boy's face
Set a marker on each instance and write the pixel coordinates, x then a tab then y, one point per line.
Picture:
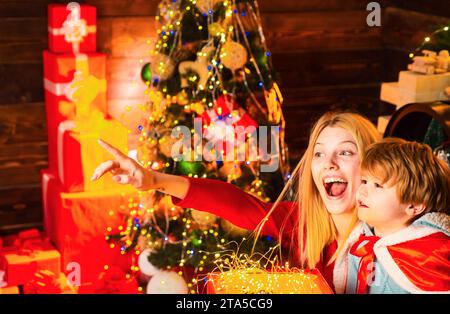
379	206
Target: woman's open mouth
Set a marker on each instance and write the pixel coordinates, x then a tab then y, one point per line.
335	186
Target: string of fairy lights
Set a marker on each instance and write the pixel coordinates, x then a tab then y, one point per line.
237	271
428	39
228	38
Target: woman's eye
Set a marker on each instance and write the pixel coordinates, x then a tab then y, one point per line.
346	153
318	154
363	181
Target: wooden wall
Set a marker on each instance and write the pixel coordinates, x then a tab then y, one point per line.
326	55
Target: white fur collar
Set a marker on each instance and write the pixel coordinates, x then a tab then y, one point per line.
341	264
439	221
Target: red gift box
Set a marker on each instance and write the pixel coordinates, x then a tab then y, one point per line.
28	255
79	153
77	223
46	282
227	108
112	281
228	119
75	87
72	28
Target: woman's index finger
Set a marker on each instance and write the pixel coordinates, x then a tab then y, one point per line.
111	149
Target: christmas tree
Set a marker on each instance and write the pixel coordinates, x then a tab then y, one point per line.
210	65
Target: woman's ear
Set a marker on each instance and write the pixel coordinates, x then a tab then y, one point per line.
415	209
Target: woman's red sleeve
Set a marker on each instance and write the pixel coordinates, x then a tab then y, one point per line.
240	208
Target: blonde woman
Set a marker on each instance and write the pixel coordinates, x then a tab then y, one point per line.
320	224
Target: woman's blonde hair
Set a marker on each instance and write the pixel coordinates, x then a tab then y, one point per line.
316	227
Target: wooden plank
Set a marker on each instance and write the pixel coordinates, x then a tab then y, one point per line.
405	29
305	68
22	123
303	106
23	153
311	6
25	8
22	40
395	60
21	83
24	29
132	37
135	36
10	8
323	39
125	8
324	30
316	68
433	7
17	174
291	22
22	53
20	208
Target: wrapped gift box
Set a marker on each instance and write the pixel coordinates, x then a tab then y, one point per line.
20	264
77	224
75	89
257	282
383	122
112	281
79	153
72	28
415	87
10	290
46	282
420	83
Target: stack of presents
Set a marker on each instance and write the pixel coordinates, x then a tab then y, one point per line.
72	254
427	79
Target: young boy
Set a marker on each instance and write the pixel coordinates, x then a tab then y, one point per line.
403	200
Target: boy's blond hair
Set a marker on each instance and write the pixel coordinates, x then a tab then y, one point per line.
420	176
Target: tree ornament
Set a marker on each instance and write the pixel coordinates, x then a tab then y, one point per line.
190	167
199	66
215	29
169	10
233	55
230	170
146	73
162	66
145	266
204	6
196	241
204	219
167	282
